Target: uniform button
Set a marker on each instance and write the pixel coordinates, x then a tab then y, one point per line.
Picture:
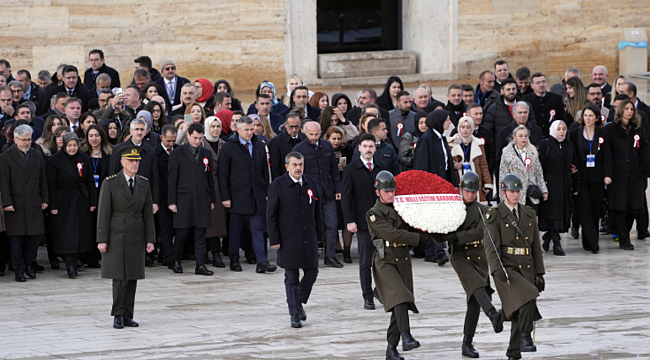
526	237
528	266
475	245
517	237
468	258
466	248
506	225
529	224
520	266
396	259
479	258
406	258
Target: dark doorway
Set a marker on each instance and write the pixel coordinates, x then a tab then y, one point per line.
358	25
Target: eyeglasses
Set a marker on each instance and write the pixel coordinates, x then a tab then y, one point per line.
169	68
16	91
293	126
26	140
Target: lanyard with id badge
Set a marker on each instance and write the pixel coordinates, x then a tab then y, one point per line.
466	165
95	162
591	159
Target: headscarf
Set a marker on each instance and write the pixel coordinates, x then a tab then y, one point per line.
147	118
208	123
436	120
274	99
71	136
356	98
418	116
553	130
225	116
105	124
336	97
222	81
471	124
206	90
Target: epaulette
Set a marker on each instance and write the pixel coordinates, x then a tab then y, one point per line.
111	177
490	215
143	178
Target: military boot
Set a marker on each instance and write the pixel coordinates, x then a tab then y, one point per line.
392	354
468	349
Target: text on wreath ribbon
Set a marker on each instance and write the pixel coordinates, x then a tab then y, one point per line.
427	198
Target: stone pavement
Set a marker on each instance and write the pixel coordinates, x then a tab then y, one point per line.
595	307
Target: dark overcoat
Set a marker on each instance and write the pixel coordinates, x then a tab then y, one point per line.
322	165
522	270
547	108
244	180
23	186
556	159
148	166
430	157
280	146
601	148
191	187
468	252
125	223
394	273
358	192
72	195
294	221
218	227
162	158
629	159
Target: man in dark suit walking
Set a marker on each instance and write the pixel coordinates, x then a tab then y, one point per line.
23	185
191	198
294	202
243	173
283	144
358	196
164	215
124	225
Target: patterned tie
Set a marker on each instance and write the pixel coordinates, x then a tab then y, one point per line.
370	166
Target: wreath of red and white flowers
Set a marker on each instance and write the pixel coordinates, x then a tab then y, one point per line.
428	202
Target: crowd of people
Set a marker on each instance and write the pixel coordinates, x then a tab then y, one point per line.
580	152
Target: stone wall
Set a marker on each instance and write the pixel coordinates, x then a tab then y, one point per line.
241	41
545	35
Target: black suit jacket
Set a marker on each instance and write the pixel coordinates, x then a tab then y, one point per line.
358	192
543	107
312	112
148	166
80	92
89	79
36	95
162	157
279	148
180	81
430	157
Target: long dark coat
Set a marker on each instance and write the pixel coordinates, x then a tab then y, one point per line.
162	158
23	186
322	165
601	148
627	190
544	106
243	179
394	273
468	260
72	195
280	146
522	269
295	222
358	192
191	187
218	227
429	155
556	158
125	223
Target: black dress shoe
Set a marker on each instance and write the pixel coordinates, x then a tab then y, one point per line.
234	266
36	267
408	342
30	273
217	262
303	314
392	354
495	319
118	322
202	270
643	234
547	241
72	272
130	322
295	321
595	251
575	233
149	261
265	267
527	344
430	258
177	268
369	304
332	262
20	278
347	258
442	260
467	348
626	246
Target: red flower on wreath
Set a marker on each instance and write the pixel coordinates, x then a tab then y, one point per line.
421	182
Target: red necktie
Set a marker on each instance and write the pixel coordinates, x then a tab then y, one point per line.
370	166
169	151
70	92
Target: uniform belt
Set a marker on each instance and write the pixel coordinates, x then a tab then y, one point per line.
393	244
475	243
128	216
514	250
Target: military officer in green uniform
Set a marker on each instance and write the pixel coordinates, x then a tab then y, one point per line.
469	262
124	224
391	264
515	259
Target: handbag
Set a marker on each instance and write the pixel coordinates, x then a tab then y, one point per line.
534	192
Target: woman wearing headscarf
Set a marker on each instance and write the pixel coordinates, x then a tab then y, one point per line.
225	116
593	161
388	99
409	140
218	230
223	86
204	97
630	164
112	130
469	155
556	157
520	158
72	200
